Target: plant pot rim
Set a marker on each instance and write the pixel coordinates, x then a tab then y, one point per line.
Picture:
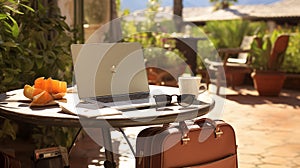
268	72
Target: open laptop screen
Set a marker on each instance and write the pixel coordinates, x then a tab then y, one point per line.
109	70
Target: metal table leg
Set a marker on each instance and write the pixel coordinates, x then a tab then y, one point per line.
109	155
74	139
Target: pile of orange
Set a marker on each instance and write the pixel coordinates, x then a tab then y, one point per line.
45	91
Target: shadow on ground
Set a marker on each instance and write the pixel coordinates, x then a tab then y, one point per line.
248	96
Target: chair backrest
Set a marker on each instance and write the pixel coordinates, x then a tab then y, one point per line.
244	56
279	47
281	44
246	45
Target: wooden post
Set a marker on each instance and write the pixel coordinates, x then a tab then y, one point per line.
78	20
177	11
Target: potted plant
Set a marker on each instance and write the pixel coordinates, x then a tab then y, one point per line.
267	60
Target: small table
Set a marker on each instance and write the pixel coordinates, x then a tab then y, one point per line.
14	106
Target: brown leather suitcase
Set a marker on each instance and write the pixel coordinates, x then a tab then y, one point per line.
204	143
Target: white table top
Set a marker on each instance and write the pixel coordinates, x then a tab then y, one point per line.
14	105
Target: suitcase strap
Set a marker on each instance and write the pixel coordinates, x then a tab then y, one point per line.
202	123
184	132
212	123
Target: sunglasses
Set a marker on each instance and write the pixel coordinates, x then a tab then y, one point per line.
184	100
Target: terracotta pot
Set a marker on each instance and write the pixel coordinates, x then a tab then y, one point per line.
268	83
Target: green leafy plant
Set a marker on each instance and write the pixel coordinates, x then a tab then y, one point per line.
47	136
229	34
222	4
33	43
9	32
291	63
47	39
8	130
12	62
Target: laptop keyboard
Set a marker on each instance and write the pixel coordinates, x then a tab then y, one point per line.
139	100
124	97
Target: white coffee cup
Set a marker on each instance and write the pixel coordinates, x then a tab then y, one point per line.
190	85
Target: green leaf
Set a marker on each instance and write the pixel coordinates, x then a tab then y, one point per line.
27	65
15	27
8	78
8	129
8	26
13	9
39	63
27	7
3	16
9	44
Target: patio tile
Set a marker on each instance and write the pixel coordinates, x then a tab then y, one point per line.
249	159
269	166
268	129
247	165
284	150
274	160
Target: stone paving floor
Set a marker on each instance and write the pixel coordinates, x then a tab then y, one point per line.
267	128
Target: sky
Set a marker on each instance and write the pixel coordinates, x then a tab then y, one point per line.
141	4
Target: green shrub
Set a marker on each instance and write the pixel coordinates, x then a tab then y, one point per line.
229	34
291	62
32	44
48	136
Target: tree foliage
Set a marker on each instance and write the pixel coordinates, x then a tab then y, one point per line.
222	4
229	34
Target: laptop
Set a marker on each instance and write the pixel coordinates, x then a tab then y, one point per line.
112	74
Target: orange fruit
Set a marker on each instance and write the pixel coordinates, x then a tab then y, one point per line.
42	98
58	96
39	83
30	91
45	90
58	86
50	85
44	84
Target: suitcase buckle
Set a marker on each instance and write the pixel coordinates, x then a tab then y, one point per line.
218	132
185	139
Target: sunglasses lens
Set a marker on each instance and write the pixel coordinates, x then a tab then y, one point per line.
162	100
186	99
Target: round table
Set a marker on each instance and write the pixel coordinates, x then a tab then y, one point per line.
15	106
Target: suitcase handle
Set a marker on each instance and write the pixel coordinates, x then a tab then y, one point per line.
205	121
212	123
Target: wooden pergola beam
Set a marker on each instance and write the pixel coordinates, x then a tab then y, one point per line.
177	12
